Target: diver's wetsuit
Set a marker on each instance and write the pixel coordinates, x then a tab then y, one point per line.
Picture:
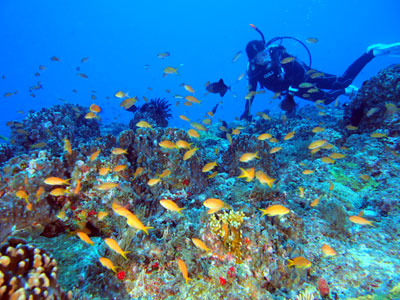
278	77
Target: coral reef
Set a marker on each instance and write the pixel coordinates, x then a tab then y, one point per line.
47	128
157	112
376	104
27	272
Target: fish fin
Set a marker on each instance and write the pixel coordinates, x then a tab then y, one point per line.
179	210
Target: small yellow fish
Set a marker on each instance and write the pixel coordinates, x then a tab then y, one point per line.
247	173
312	40
119	151
299	262
274	149
305	85
200	244
165	173
120	210
215	173
67	146
171	205
138	172
183	269
39	193
198	126
327	160
134	222
166	144
22	195
264	136
188	154
318	129
317	144
315	201
94	108
308	172
351	127
237	56
163	55
104	171
360	220
264	178
101	215
193	133
188	88
56	181
94	155
58	192
154	181
115	247
337	155
328	250
377	135
184	118
208	167
181	144
301	192
289	136
108	264
246	157
275	210
91	115
106	186
287	60
214	205
171	70
84	237
119	168
128	103
273	140
143	124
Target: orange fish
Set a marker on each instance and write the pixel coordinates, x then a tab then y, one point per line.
118	151
264	178
328	250
171	205
275	210
84	237
183	269
67	146
247	173
107	263
56	181
115	247
214	205
134	222
200	244
360	220
299	262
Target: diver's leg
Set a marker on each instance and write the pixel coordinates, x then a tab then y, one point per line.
333	82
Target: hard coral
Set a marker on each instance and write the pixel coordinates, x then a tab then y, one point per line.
228	227
48	127
27	272
156	112
376	93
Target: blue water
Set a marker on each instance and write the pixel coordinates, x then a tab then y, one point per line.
120	37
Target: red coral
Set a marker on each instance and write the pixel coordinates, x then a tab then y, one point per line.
121	275
323	288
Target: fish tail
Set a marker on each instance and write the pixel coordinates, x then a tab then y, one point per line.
179	210
291	263
146	228
125	252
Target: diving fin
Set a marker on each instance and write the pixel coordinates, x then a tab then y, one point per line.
392	50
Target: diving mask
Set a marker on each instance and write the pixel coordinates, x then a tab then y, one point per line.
262	58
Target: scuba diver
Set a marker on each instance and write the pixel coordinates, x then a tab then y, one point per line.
273	68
